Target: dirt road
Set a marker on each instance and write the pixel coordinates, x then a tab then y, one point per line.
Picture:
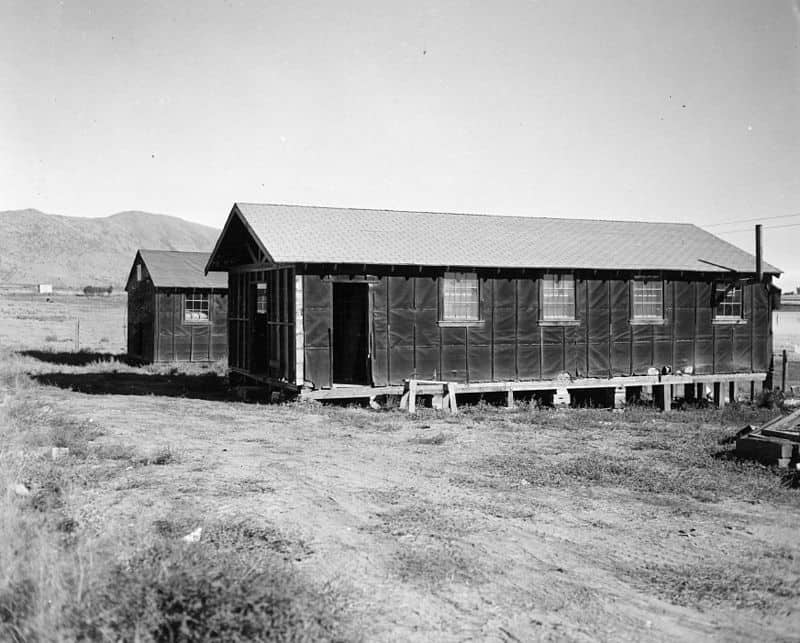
481	526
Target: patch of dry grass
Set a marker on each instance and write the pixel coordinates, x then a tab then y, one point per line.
435	439
434	563
230	586
62	577
677	453
759	582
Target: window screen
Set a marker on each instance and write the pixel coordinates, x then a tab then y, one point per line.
195	308
461	297
558	297
648	299
729	301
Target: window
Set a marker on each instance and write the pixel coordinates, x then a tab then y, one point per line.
138	272
195	308
648	299
460	297
558	297
728	299
261	299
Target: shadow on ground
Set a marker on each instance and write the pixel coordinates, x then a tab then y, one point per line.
80	358
209	386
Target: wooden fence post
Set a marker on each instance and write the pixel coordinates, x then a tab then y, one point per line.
784	368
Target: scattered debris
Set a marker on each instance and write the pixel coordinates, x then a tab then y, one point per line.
193	536
21	490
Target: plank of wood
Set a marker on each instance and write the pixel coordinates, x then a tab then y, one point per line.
783	422
786	435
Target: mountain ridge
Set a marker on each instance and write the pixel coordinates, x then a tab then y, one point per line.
68	251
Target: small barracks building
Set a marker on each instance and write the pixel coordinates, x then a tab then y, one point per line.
176	313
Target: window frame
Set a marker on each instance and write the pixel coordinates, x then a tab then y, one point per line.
646	319
262	288
138	272
445	321
195	296
730	286
570	320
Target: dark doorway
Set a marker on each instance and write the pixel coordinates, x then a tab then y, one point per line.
351	334
259	357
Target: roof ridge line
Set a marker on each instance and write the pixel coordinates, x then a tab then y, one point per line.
462	214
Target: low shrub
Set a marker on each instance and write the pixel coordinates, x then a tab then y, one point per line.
161	456
211	590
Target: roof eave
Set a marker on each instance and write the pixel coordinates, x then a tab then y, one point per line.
235	212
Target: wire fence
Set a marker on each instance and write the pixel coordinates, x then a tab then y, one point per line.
64	322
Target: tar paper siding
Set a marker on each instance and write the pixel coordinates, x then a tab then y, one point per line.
182	341
407	340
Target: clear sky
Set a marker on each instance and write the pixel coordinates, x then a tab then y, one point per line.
680	110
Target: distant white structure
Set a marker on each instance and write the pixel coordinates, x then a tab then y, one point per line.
45	289
786	324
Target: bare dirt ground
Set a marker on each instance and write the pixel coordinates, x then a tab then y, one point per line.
491	524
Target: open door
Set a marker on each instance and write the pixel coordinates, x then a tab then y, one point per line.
351	334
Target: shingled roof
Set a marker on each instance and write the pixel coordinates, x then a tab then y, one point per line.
308	234
174	269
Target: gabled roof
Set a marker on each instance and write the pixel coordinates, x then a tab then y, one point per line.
174	269
308	234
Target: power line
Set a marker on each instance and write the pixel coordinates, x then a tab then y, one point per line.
766	227
735	221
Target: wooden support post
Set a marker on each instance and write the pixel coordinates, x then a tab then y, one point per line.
412	396
620	397
404	398
330	357
663	396
719	394
451	397
784	370
510	398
